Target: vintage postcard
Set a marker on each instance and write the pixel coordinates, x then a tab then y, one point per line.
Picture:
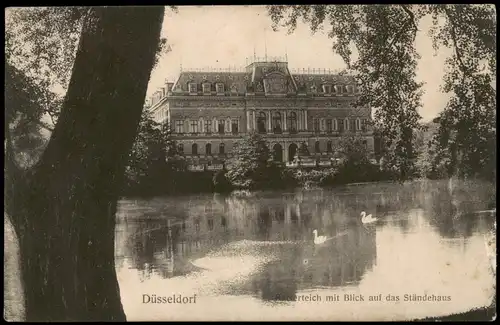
250	163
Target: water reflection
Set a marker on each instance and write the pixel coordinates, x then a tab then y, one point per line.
167	238
340	261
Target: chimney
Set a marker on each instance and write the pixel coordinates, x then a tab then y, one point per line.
170	85
163	91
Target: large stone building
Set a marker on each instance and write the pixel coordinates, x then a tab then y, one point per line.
210	111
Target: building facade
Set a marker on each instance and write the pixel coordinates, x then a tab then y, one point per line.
210	111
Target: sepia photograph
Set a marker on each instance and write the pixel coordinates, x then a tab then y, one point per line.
250	163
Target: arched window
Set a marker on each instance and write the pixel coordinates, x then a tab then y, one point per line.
293	122
341	127
316	125
329	147
220	126
206	87
364	124
261	122
221	149
180	148
277	152
329	125
208	149
316	147
352	125
276	122
194	149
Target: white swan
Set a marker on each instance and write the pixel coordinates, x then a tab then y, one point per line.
318	239
367	218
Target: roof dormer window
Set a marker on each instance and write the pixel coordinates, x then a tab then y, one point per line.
219	88
327	89
350	89
193	88
234	89
206	88
313	89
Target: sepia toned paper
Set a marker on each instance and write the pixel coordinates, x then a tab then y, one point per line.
252	255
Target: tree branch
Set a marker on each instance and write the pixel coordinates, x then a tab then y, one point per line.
453	34
411	16
410	21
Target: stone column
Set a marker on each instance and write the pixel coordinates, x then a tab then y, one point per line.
248	120
269	124
285	152
252	118
305	120
284	120
299	120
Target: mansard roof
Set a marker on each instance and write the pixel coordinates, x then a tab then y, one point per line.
262	77
238	79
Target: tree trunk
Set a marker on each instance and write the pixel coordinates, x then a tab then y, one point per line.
63	209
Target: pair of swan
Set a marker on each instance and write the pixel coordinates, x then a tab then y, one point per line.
364	219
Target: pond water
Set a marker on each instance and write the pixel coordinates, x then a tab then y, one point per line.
251	256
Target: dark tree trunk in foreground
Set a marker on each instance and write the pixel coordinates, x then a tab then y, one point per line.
63	209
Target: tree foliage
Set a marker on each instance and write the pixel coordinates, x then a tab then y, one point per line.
41	42
377	42
465	141
352	149
252	165
355	165
154	161
23	110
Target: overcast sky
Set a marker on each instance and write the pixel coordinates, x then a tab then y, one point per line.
223	36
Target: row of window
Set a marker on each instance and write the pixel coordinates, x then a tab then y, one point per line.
207	87
276	122
327	88
208	126
223	125
208	149
330	125
337	89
